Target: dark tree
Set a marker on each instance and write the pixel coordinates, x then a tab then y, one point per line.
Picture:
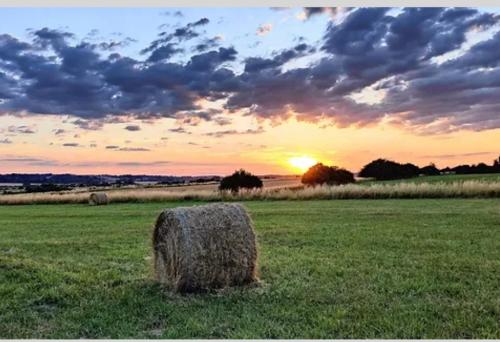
331	175
240	179
382	169
496	165
430	170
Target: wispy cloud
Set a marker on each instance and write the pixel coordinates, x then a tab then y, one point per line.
134	149
179	130
23	129
220	134
458	155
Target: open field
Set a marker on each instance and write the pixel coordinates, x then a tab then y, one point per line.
330	269
459	189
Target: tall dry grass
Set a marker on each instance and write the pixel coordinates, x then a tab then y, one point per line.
467	189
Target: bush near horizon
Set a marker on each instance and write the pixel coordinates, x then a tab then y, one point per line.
320	174
430	170
240	179
383	169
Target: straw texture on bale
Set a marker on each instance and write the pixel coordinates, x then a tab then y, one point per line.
205	247
98	198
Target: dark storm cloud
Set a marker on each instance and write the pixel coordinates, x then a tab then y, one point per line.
394	52
371	46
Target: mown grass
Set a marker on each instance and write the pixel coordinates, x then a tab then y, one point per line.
330	269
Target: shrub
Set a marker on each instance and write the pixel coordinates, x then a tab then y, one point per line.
320	174
430	170
382	169
240	179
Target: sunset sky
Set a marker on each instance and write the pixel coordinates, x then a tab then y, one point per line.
197	91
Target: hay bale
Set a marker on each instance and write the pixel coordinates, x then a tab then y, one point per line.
205	247
98	198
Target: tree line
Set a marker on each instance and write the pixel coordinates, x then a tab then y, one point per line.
379	169
383	169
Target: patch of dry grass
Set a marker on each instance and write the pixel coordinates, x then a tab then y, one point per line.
467	189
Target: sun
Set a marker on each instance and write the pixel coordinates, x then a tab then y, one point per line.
302	163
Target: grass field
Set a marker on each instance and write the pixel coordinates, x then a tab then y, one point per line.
330	269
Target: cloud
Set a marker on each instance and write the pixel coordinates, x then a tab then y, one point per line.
115	44
179	130
91	125
393	54
134	149
58	131
133	128
154	163
177	14
167	43
254	64
309	12
208	43
71	145
460	155
164	52
127	149
371	49
264	29
28	160
5	141
23	129
36	161
220	134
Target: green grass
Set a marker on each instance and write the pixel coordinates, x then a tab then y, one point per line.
487	177
330	269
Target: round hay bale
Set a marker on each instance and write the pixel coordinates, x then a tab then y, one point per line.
205	247
98	198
